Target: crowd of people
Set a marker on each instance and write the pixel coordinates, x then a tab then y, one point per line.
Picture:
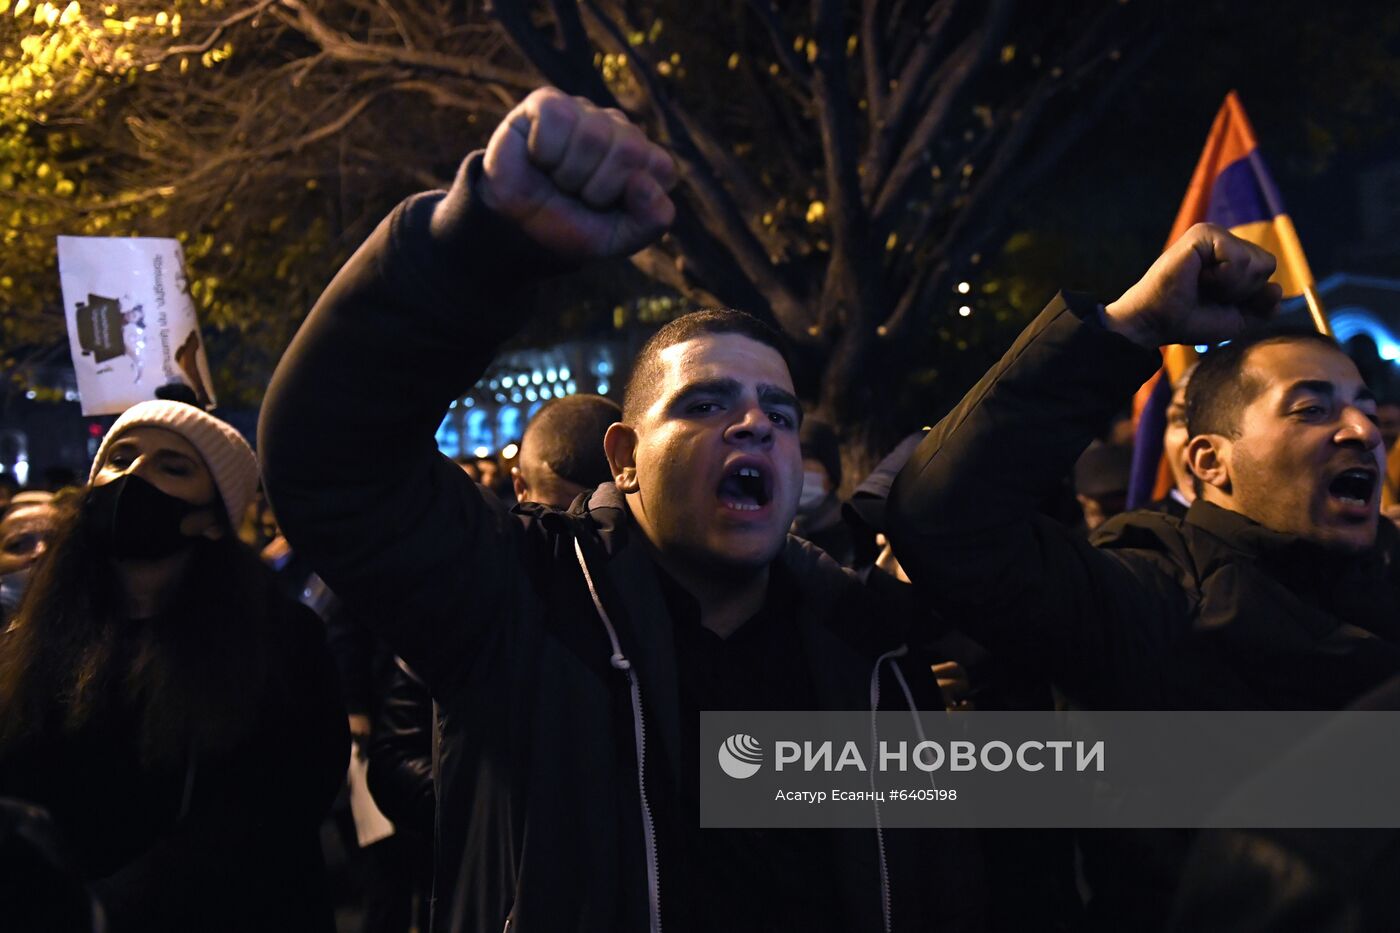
519	660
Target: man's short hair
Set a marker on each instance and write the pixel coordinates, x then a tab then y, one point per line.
566	435
646	377
1221	388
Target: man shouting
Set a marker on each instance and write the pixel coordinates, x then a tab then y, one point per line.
570	653
1271	594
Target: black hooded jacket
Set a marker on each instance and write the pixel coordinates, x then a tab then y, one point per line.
542	823
1210	611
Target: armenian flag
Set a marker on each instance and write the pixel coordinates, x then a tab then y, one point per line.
1230	187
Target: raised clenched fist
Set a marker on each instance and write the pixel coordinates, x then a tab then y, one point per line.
1208	286
580	180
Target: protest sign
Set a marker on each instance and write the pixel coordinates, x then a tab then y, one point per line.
131	322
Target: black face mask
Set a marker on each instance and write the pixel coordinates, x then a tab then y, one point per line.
12	587
131	519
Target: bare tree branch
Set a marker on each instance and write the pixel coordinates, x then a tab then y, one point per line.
571	28
982	214
852	254
914	78
767	13
873	62
217	33
399	26
559	68
231	158
913	157
658	264
715	204
446	98
343	48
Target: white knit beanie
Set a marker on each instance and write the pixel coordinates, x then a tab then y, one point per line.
227	455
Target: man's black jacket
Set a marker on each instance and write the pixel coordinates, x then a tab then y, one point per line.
1207	612
539	816
400	774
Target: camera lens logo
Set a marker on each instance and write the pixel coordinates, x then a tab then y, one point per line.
740	756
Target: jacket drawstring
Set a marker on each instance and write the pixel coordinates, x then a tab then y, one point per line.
900	652
620	662
886	904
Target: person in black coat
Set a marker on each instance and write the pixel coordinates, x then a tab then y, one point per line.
175	714
819	509
1275	590
570	653
401	753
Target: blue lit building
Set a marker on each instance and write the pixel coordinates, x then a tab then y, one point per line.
494	413
1365	315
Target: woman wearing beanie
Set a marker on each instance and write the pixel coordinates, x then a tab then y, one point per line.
176	715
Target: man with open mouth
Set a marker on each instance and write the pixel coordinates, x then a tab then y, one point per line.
1273	592
570	652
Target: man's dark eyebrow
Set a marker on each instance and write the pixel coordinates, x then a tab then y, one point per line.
721	387
726	389
1323	387
1316	386
774	395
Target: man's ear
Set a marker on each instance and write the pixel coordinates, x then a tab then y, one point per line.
517	482
620	447
1208	457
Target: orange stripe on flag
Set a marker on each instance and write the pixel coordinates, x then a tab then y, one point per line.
1280	238
1231	139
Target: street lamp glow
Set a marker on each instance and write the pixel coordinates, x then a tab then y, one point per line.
964	288
964	311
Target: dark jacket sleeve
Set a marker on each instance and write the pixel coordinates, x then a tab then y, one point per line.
964	524
398	531
352	648
401	753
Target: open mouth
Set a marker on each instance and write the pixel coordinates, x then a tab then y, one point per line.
746	488
1355	487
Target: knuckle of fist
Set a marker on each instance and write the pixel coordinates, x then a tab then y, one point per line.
661	163
592	136
557	109
632	153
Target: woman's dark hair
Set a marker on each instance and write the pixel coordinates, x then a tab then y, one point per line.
197	672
